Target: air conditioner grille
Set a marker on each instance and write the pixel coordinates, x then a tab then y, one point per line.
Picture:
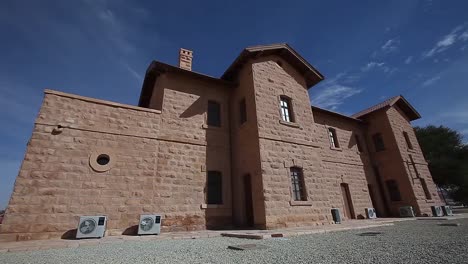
146	224
87	226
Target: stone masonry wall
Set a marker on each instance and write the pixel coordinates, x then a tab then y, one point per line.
56	184
245	157
149	171
401	124
346	164
283	145
184	120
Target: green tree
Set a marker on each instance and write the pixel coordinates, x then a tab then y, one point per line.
447	156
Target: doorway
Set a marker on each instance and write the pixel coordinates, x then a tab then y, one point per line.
249	214
347	202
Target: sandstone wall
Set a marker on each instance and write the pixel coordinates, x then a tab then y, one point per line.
347	164
283	145
401	124
184	120
245	155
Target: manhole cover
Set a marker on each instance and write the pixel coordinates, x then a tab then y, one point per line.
247	247
370	234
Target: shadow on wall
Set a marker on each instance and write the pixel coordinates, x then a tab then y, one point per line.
70	234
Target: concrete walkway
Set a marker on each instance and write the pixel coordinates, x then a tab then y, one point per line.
252	234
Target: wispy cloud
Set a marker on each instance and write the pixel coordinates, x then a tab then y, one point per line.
464	36
409	60
447	41
390	45
374	65
134	73
430	81
334	93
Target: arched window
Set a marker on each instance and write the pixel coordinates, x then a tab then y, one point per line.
214	185
286	109
333	138
297	184
408	142
214	114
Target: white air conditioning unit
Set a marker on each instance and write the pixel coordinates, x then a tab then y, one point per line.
370	213
437	211
149	224
406	211
447	210
91	226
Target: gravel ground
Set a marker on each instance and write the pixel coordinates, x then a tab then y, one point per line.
406	242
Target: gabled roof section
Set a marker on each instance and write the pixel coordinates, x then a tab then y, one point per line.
316	108
156	68
311	75
399	100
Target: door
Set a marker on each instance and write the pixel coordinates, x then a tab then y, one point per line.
248	200
347	203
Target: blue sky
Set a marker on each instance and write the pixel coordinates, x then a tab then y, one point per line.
367	50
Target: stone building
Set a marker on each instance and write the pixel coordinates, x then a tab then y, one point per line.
243	150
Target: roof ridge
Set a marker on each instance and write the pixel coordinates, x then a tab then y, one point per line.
387	102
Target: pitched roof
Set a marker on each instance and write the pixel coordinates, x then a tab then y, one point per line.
283	50
399	100
156	68
336	114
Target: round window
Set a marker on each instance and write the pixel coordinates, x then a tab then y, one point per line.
103	159
100	160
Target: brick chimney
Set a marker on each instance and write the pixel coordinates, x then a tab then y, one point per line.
185	59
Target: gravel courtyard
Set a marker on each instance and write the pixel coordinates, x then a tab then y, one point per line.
406	242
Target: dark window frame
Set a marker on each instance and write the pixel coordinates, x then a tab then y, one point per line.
214	187
427	193
379	144
242	111
286	109
393	190
407	139
213	114
333	137
298	190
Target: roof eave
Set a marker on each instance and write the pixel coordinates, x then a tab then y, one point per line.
311	75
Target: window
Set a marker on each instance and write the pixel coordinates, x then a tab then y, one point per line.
393	191
408	142
358	143
427	193
242	111
378	142
286	109
333	139
214	188
414	165
297	184
214	114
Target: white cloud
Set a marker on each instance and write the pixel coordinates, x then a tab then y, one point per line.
464	36
334	95
409	60
447	41
430	81
390	45
373	65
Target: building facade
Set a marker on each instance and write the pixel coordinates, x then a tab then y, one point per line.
243	150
